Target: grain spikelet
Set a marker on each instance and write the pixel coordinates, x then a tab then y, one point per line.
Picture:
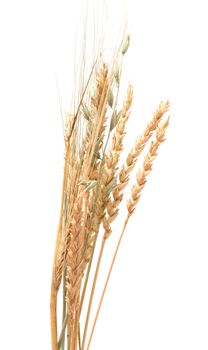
147	167
117	142
117	193
140	144
111	162
74	260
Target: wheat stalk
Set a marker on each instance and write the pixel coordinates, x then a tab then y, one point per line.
109	169
131	205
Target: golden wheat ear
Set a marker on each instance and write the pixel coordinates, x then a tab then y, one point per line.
140	144
147	166
131	205
114	201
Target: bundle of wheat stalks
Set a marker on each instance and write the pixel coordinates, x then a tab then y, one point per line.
93	188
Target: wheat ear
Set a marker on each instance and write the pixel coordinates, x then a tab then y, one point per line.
112	161
147	167
131	204
117	192
109	170
140	144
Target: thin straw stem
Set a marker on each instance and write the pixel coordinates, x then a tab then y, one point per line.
64	309
62	331
53	310
92	293
106	282
79	337
76	330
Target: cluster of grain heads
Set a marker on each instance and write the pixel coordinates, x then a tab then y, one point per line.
132	202
147	167
93	188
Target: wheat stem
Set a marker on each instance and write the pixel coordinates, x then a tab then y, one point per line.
79	337
106	282
53	307
62	331
64	308
92	293
69	334
76	327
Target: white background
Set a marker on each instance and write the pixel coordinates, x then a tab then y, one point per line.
158	295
